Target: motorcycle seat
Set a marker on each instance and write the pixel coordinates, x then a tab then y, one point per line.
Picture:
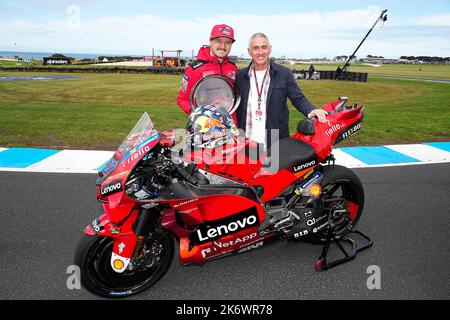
289	152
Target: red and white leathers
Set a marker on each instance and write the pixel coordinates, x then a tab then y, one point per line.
205	65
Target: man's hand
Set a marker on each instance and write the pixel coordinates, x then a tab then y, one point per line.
319	113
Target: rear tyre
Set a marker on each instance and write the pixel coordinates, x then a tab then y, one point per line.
341	189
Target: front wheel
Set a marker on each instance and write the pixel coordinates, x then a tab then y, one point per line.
342	199
93	256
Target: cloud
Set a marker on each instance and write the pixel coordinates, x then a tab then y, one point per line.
305	34
441	20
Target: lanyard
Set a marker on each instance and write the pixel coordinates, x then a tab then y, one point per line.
262	86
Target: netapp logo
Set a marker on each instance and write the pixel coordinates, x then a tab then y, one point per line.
304	166
219	228
111	188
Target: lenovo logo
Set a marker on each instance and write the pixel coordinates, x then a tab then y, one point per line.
304	166
213	230
111	188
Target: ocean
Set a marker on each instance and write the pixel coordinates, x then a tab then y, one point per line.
41	55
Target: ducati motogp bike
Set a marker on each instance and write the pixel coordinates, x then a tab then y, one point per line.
217	193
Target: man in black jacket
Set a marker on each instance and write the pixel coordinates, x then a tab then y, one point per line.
265	87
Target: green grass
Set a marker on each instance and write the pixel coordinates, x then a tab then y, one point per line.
96	111
416	71
9	63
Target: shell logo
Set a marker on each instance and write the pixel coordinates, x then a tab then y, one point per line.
118	264
315	190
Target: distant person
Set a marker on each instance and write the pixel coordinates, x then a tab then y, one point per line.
311	71
265	87
211	60
338	72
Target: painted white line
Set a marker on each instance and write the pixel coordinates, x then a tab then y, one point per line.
48	170
344	159
422	152
72	161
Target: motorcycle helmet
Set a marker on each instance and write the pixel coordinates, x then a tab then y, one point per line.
211	127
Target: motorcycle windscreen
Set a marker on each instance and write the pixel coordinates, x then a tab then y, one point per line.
215	92
142	134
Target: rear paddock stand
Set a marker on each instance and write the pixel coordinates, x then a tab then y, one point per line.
322	264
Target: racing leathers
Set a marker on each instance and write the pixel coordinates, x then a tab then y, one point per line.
205	65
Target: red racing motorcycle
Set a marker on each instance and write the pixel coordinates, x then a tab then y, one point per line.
216	193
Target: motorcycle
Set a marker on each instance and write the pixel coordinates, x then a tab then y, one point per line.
217	193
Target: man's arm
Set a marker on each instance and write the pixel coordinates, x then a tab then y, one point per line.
185	90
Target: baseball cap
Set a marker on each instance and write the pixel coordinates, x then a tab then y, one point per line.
222	30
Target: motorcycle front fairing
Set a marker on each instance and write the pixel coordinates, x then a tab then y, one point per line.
121	211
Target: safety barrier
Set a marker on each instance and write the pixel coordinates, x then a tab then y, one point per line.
330	75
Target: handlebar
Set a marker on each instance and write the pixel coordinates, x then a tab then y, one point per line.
185	175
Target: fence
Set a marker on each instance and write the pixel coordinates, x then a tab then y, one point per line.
331	75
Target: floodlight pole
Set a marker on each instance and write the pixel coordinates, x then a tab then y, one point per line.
383	16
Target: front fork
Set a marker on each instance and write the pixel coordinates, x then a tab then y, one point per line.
128	238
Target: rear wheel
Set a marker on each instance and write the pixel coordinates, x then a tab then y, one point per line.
342	199
93	256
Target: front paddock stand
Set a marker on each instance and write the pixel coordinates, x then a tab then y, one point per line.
322	264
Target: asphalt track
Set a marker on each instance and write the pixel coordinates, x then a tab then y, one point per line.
406	213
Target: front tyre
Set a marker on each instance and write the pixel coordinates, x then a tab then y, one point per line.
93	256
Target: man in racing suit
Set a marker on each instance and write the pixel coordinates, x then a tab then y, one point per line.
211	60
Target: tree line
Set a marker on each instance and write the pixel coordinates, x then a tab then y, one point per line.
427	59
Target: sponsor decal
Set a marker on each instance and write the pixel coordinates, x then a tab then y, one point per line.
308	214
111	188
214	135
118	263
315	190
232	75
97	226
185	202
311	180
351	131
225	30
109	167
304	166
184	83
198	63
119	175
228	244
213	230
120	293
230	150
121	247
139	151
208	73
251	247
301	234
333	128
308	174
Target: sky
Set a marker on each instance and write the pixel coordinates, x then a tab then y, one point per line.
296	29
